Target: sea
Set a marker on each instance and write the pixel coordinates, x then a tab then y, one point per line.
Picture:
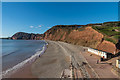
17	53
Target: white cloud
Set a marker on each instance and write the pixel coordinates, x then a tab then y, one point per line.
40	26
48	27
31	26
36	27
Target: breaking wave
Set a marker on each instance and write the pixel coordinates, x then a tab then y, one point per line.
23	63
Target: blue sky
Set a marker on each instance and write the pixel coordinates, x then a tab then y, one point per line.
61	0
37	17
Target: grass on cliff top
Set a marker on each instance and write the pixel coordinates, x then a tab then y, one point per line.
116	36
111	31
110	40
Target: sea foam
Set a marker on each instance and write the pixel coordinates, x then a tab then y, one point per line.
12	70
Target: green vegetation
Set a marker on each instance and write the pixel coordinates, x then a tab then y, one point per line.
82	28
110	39
110	30
116	36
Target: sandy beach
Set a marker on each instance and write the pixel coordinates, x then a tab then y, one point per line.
51	64
24	72
58	57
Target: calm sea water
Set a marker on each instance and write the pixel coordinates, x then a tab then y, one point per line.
16	51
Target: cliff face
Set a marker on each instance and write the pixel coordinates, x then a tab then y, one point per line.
107	46
85	36
100	36
27	36
88	37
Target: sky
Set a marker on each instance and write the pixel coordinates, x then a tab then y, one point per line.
37	17
61	0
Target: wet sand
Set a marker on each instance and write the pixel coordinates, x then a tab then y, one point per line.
58	57
24	72
51	64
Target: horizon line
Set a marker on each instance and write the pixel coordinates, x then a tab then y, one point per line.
63	24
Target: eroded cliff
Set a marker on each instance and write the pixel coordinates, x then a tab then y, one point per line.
99	36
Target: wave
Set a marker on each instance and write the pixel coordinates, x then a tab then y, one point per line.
23	63
10	53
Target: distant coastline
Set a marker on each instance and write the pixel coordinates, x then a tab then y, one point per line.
101	36
32	36
6	38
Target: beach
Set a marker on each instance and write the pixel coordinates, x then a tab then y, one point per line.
60	39
58	57
51	63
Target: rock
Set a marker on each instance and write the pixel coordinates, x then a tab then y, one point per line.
27	36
